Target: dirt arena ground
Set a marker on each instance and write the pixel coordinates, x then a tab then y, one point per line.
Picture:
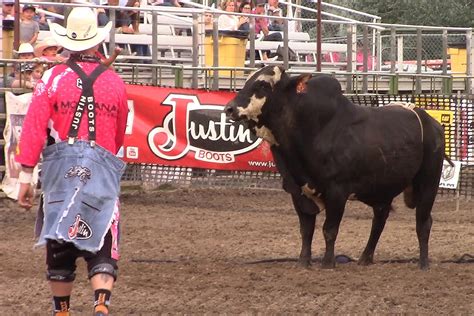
190	252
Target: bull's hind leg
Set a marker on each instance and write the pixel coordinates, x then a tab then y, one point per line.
307	211
426	196
381	213
425	188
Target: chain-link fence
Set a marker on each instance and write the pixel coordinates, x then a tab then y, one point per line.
459	137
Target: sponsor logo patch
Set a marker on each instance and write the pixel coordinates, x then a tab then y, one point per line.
79	229
83	173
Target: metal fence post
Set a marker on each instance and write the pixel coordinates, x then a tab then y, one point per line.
195	62
154	45
112	32
469	61
252	42
447	82
418	60
393	85
215	52
178	77
393	48
285	44
365	68
349	30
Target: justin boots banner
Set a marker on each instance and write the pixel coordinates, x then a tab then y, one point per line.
188	128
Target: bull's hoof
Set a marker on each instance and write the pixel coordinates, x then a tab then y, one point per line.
365	261
328	263
424	265
305	262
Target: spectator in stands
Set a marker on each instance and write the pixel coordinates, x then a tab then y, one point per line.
23	77
8	13
169	3
38	70
262	23
47	49
245	7
29	28
102	17
275	24
208	21
8	8
24	52
261	26
127	22
228	22
271	6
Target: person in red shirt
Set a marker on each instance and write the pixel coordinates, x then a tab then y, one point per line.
80	107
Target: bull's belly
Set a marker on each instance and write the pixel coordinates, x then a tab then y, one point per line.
381	188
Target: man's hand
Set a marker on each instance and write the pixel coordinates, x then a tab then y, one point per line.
25	196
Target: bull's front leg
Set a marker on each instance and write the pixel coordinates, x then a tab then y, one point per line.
305	208
334	211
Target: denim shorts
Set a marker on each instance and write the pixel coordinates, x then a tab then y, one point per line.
81	186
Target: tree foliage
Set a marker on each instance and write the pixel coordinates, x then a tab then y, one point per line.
416	12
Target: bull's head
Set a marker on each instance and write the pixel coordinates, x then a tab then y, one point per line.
249	102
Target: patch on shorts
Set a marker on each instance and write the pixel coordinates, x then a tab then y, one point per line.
83	173
79	229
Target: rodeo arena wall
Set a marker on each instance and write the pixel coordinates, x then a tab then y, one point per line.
179	136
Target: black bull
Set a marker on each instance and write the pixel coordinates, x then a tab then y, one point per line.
329	150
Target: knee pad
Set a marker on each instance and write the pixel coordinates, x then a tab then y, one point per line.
60	275
103	267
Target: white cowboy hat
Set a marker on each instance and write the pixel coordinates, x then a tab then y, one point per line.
47	42
81	32
25	48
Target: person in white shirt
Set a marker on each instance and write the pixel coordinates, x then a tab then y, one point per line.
227	22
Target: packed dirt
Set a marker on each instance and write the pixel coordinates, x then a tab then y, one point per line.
189	251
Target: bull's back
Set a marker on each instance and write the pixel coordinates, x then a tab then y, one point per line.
374	150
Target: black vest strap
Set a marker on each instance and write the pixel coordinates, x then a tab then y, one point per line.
85	101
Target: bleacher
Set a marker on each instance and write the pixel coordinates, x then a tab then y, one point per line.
177	45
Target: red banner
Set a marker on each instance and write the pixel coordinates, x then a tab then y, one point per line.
188	128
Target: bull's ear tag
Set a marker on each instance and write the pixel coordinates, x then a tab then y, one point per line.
302	83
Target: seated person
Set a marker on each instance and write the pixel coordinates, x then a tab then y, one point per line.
245	7
227	22
208	23
127	22
261	25
276	24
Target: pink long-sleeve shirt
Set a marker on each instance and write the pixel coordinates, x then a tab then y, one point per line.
54	103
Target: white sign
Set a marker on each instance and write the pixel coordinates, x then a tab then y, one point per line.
450	175
16	107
